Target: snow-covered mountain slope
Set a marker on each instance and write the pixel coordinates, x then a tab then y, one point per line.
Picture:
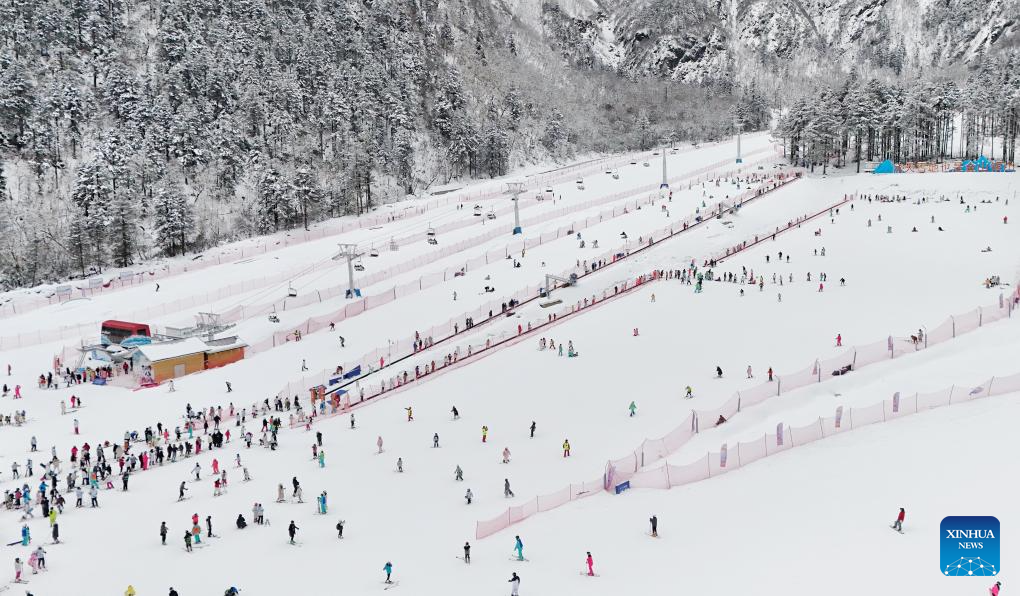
704	39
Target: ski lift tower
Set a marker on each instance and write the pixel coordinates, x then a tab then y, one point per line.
516	189
349	252
740	125
552	280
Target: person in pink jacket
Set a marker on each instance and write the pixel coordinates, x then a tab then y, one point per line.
590	563
994	590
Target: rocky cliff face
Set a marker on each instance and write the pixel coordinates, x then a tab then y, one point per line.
701	40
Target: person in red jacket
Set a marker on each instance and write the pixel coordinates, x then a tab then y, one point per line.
898	524
590	562
770	373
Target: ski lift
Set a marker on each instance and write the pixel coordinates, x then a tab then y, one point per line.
273	318
358	266
430	236
478	210
580	184
393	244
491	214
374	252
548	189
292	292
616	174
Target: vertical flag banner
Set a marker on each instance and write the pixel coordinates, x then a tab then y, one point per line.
722	456
779	434
896	402
839	416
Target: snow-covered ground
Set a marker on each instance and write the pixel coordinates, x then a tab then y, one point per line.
790	524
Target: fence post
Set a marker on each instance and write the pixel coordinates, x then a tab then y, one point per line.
981	315
953	319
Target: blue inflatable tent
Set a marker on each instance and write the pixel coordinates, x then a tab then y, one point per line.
886	167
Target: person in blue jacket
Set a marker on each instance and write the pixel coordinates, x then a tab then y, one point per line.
519	547
26	537
388	568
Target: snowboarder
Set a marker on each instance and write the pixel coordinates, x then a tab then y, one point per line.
655	525
590	563
690	393
515	584
519	547
898	524
388	568
456	414
506	488
435	440
633	409
994	590
467	552
292	531
566	448
340	529
718	372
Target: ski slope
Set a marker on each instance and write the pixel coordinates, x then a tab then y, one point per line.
787	524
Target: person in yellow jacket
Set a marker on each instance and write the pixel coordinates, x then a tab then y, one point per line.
566	448
53	517
130	591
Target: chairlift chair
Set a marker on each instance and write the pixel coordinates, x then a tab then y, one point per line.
491	214
292	292
393	244
373	252
430	236
358	266
616	174
478	210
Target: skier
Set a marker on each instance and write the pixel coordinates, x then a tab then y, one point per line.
566	448
590	563
532	429
994	590
839	340
770	373
400	464
690	393
519	547
515	584
388	568
197	470
435	440
230	388
292	531
162	532
467	552
240	523
458	474
749	375
456	414
19	567
378	443
485	433
469	496
655	525
340	529
506	455
322	458
506	488
410	414
318	437
898	524
633	409
718	372
187	541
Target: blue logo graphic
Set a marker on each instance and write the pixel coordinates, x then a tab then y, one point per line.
970	545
